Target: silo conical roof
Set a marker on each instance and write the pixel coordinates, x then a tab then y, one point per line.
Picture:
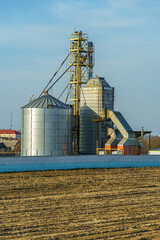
97	82
46	101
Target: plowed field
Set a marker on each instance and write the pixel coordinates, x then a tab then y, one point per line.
81	204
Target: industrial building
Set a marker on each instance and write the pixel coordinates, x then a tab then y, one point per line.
9	140
9	133
95	98
88	124
154	152
46	128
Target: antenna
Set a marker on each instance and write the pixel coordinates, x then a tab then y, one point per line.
11	120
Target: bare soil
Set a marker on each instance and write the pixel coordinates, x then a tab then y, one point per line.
81	204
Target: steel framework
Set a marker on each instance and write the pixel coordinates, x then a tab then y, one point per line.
81	62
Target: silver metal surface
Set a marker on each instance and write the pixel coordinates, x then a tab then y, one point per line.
46	131
87	131
95	98
127	134
46	101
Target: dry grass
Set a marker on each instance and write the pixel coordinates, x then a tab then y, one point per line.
81	204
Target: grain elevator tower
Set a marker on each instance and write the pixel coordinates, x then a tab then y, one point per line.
81	61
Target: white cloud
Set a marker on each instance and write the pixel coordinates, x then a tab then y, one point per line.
83	13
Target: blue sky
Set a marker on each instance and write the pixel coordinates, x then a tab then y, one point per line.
34	40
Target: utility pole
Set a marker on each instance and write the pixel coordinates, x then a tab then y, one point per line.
11	120
142	134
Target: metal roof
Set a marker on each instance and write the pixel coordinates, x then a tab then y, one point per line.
46	101
97	82
104	83
123	121
8	131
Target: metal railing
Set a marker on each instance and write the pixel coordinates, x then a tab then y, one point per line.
11	154
96	118
103	151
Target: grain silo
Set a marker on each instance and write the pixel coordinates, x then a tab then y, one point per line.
95	98
46	128
101	127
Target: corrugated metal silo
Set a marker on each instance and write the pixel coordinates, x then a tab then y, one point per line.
46	128
95	98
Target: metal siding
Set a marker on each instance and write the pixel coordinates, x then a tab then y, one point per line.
94	100
87	131
45	102
46	132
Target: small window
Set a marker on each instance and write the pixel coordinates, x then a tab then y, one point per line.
49	106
